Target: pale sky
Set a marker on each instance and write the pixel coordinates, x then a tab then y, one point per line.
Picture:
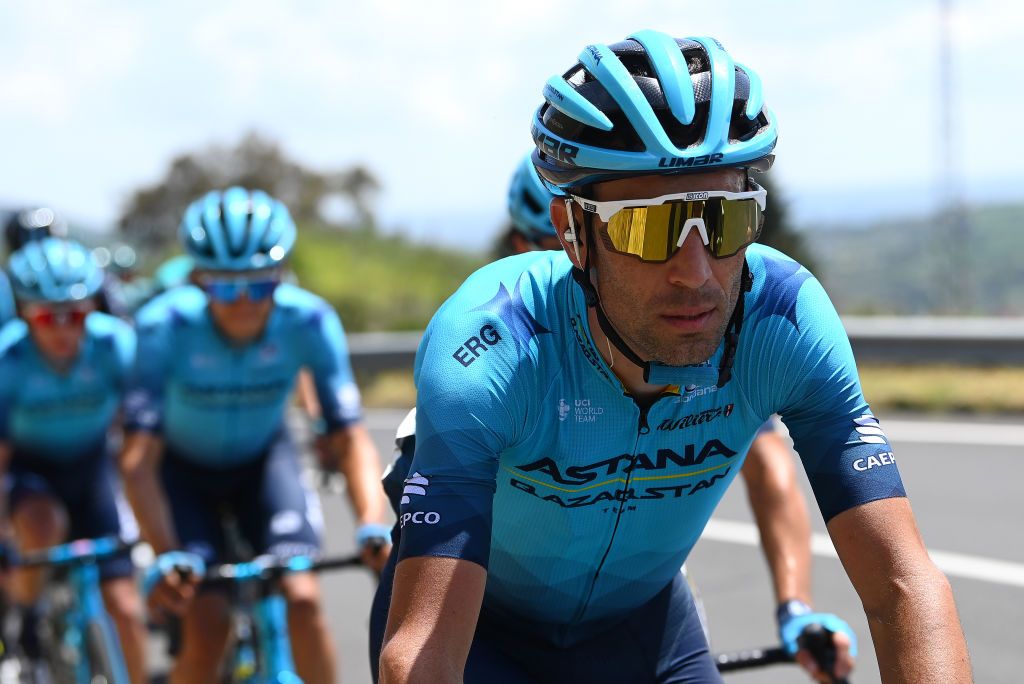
436	97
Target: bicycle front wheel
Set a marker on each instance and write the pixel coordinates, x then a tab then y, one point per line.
104	656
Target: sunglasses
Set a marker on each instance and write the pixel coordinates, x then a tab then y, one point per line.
46	317
229	290
654	229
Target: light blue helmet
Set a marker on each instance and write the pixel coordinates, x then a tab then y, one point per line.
528	202
54	270
237	230
651	104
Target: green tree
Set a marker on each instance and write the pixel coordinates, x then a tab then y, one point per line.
778	231
151	215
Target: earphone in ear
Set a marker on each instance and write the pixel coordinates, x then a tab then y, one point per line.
570	233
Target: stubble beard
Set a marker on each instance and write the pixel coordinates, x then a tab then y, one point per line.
634	321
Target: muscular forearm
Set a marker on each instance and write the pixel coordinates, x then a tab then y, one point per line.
145	495
781	514
400	665
359	463
433	616
152	512
917	633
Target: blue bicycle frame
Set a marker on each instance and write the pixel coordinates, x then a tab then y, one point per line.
80	557
270	612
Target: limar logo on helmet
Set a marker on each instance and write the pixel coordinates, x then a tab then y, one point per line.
703	160
553	147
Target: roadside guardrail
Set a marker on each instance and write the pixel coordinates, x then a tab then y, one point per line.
915	340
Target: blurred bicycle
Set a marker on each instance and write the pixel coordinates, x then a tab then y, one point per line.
260	649
77	639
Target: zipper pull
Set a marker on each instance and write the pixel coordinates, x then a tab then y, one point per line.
642	427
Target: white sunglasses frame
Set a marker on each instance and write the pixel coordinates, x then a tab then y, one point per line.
605	210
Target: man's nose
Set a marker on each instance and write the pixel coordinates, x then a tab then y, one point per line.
690	266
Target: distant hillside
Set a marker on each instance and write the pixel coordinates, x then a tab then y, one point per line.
914	266
379	282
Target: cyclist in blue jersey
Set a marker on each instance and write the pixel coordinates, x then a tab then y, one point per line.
580	414
768	471
205	422
63	369
7	307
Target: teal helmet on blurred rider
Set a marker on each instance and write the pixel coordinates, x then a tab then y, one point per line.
651	104
53	270
237	230
528	203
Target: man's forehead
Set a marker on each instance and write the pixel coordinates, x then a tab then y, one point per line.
652	185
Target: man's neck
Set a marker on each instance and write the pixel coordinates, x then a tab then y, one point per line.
629	374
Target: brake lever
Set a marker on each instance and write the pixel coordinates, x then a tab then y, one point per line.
818	642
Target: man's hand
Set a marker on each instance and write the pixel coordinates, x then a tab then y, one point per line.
374	542
170	583
795	618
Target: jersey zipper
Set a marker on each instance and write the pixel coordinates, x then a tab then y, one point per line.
642	428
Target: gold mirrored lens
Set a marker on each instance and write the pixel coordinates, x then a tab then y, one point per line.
652	233
645	232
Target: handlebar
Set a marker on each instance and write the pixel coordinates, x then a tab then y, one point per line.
816	639
269	568
751	658
76	552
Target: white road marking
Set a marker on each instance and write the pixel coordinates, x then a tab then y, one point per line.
966	434
953	564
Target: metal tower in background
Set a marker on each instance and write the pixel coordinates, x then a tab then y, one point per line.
954	287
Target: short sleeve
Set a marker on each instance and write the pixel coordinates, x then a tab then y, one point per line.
807	374
467	374
328	360
144	396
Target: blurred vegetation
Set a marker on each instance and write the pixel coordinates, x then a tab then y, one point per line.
378	282
150	218
944	389
779	231
917	266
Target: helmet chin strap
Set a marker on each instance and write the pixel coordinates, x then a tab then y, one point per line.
658	373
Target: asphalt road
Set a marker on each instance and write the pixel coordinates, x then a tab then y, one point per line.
966	499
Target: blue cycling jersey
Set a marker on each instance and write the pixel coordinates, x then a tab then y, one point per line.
533	461
63	415
221	404
7	309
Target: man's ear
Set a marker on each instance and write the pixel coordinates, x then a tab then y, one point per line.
568	232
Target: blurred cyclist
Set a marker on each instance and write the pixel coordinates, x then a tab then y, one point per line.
206	430
63	368
528	200
580	414
21	227
769	471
